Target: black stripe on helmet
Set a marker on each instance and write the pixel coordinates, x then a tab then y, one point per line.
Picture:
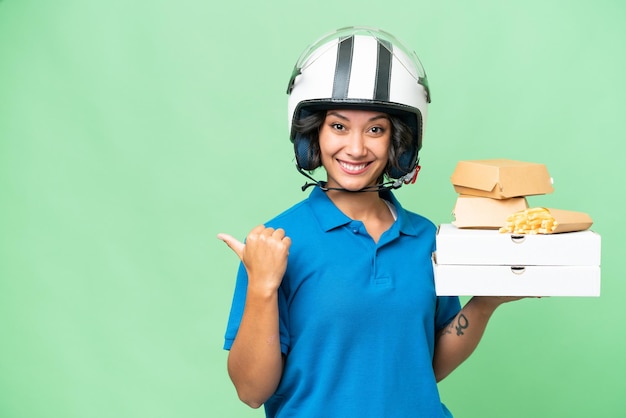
383	71
343	68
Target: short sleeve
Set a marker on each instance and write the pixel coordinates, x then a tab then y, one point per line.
447	308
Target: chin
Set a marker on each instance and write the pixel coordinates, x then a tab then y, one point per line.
355	187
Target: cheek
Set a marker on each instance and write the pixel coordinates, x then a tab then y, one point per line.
381	147
328	144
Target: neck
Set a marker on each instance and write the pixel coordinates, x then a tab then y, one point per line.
359	206
368	208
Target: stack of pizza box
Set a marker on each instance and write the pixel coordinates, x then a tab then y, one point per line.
476	257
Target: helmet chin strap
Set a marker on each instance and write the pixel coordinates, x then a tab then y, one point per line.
408	178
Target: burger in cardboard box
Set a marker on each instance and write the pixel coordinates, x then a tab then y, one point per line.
501	178
484	212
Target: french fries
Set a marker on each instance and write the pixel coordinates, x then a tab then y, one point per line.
535	220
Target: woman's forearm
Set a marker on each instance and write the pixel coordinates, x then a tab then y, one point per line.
255	361
457	341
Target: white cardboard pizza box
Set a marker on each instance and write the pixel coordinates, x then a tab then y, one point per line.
491	247
463	280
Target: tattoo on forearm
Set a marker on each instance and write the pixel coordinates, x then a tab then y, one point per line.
461	323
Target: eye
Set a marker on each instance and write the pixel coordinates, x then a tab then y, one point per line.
338	126
377	130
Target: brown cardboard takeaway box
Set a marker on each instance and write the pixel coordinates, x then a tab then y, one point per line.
569	220
501	178
484	212
471	262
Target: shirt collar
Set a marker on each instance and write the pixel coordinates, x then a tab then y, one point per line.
330	217
327	214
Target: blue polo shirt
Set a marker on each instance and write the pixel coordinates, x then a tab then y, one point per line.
357	318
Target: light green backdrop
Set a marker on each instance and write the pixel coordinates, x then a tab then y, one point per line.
132	132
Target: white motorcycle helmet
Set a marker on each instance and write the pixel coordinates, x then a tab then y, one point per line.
363	68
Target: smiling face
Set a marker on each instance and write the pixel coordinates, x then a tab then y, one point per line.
354	147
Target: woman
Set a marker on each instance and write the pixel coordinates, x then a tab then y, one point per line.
335	312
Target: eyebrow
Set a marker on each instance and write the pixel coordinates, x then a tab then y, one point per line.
340	116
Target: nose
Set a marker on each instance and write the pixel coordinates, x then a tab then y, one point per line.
356	145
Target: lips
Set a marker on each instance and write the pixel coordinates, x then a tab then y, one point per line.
352	168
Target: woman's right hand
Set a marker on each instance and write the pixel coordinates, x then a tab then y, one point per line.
264	255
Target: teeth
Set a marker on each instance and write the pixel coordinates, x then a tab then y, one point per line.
352	167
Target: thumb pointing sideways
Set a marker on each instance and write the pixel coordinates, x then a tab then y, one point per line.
233	243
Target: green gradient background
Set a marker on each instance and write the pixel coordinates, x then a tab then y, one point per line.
131	132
